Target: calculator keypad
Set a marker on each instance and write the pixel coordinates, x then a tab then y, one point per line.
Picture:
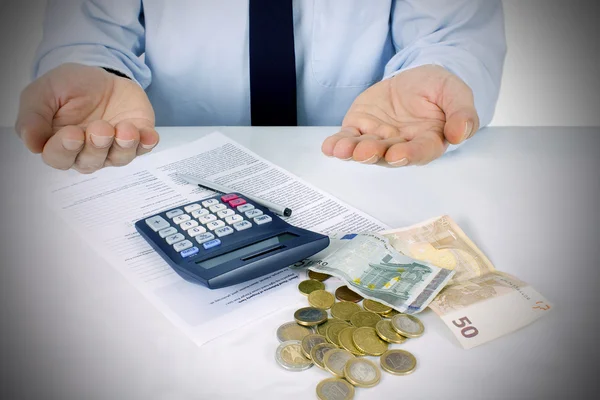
199	225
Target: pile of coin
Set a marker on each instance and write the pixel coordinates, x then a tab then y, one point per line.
336	341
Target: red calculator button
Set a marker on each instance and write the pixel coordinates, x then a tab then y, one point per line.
228	197
237	202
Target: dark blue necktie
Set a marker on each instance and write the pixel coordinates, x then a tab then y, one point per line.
272	63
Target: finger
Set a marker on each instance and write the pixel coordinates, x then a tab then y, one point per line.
458	104
99	136
124	148
148	140
421	150
37	107
371	149
329	144
62	148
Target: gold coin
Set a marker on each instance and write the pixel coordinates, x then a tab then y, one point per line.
362	372
335	389
318	352
376	307
310	285
344	310
343	293
408	325
335	360
322	329
346	342
292	331
367	340
365	318
386	332
310	316
390	314
311	341
318	276
321	299
398	362
333	332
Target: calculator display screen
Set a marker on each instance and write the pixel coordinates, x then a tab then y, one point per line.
250	251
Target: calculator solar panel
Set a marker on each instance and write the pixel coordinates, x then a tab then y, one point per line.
227	239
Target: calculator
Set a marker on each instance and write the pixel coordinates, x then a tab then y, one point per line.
227	239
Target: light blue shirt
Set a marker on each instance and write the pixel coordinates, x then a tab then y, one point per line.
195	67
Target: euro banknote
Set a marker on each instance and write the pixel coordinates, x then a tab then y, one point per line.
372	267
480	303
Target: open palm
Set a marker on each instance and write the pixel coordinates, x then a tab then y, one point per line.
407	119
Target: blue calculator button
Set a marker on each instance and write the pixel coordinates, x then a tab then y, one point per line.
204	237
211	244
189	252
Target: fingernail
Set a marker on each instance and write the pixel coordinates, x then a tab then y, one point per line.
400	163
347	159
101	141
371	160
148	146
468	130
72	145
126	144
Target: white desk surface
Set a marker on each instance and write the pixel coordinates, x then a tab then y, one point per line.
74	328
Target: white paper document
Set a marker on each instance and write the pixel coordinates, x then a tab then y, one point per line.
103	208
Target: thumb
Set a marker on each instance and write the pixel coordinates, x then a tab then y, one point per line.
458	104
36	112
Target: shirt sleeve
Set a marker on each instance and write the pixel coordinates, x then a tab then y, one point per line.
464	36
102	33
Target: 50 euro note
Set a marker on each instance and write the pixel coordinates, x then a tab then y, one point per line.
372	267
480	303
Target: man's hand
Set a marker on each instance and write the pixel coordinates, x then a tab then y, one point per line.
86	118
408	119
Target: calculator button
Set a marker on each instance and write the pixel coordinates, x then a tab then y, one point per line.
178	237
157	223
204	237
173	213
181	218
196	231
217	207
237	202
223	231
167	232
225	213
207	218
253	213
228	197
210	202
189	252
215	224
199	213
180	246
211	244
263	219
240	226
233	219
188	225
192	207
245	207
